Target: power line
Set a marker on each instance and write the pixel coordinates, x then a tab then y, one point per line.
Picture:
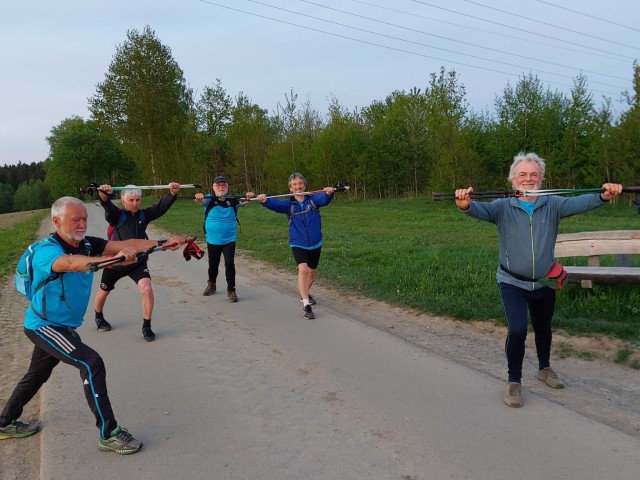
384	46
550	24
590	16
490	32
441	37
519	29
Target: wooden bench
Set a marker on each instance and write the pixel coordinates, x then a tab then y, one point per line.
592	245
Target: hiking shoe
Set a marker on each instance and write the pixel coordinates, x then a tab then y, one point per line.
148	334
312	301
121	442
102	324
210	290
231	296
18	429
513	394
307	313
548	376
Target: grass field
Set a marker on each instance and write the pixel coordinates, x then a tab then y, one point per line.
427	255
17	231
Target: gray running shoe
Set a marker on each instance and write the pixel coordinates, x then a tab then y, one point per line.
121	442
308	313
102	324
18	429
513	395
550	377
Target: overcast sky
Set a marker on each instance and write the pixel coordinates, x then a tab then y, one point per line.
55	53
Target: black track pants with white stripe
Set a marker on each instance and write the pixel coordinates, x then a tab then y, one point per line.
55	344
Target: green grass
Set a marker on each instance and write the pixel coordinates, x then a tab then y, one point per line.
564	350
623	355
15	239
427	255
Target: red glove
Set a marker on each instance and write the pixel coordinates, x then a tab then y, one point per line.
191	249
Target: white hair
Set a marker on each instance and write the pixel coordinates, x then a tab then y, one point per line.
136	192
59	207
526	157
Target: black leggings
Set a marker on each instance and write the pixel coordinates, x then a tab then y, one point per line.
215	252
540	304
54	344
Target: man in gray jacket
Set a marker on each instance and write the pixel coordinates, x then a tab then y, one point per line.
527	231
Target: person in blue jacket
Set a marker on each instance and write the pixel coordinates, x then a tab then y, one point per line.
57	310
305	232
527	231
221	231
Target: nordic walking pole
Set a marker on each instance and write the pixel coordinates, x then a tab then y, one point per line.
339	187
95	266
486	194
94	187
531	193
156	187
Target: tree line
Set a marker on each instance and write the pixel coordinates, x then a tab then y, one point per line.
22	187
147	126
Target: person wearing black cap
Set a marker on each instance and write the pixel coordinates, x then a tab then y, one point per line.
221	232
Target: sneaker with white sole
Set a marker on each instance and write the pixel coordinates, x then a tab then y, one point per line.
121	442
513	395
548	376
18	429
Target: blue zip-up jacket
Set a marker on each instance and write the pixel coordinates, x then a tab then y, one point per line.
526	243
305	226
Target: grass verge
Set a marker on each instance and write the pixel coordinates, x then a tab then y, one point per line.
15	238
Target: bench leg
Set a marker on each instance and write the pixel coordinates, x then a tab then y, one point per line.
586	284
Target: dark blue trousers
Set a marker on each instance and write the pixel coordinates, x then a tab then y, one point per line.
517	303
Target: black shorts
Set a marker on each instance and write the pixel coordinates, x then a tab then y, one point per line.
110	276
310	257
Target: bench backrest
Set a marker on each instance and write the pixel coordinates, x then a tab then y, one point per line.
589	244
